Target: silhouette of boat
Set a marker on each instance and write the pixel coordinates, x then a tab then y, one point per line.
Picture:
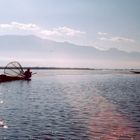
135	72
5	78
13	71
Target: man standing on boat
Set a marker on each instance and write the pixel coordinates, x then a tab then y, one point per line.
27	74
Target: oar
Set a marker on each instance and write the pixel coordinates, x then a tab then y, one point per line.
34	73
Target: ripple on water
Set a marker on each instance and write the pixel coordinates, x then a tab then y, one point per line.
85	107
2	124
1	102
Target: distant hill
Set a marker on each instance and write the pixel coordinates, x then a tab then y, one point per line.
34	51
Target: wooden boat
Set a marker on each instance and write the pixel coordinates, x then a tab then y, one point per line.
5	78
136	72
13	71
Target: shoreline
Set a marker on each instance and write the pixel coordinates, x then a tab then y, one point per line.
67	68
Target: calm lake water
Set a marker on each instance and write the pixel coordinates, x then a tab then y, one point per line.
71	105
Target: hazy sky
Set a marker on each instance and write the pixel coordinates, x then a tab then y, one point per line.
103	24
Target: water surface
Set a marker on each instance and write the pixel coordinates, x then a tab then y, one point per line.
63	104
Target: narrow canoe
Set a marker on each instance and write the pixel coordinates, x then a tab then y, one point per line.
136	72
5	78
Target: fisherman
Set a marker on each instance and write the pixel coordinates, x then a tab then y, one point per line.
27	74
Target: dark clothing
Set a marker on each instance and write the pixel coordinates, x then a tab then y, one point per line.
27	74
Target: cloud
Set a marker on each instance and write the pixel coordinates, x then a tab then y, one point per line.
19	26
22	26
59	34
103	39
60	31
50	33
114	38
3	26
117	39
101	33
68	31
122	39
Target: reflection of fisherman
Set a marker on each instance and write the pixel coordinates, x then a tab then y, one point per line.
27	74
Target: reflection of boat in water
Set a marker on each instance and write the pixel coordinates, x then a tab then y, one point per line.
135	72
13	71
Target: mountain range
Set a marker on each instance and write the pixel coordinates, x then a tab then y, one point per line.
34	51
